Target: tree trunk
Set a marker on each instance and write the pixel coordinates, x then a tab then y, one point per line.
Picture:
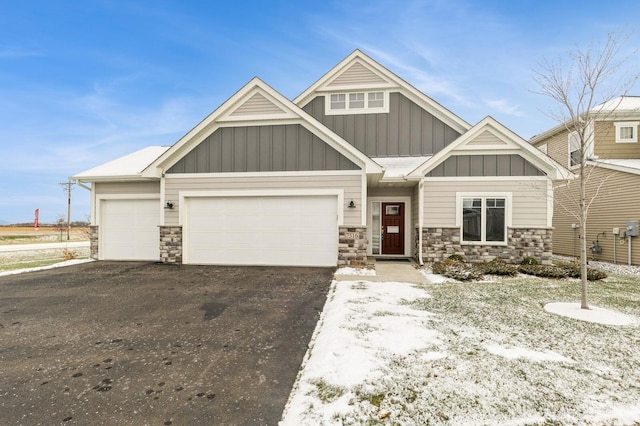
583	237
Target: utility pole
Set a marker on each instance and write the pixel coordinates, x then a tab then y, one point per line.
68	186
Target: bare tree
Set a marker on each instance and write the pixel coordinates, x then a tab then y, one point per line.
585	89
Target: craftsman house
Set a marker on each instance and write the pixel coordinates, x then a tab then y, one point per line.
613	177
360	164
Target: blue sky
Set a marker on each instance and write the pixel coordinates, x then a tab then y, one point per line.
84	82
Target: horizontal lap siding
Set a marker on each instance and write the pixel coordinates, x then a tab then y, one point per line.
529	200
125	188
606	146
351	184
616	203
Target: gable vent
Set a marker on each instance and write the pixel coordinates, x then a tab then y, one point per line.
257	105
357	74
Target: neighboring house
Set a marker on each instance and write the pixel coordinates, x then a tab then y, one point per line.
613	179
360	164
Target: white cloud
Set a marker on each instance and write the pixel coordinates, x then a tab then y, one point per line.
504	106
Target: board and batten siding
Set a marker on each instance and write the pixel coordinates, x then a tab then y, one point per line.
485	165
615	204
277	148
127	188
606	146
350	183
529	200
406	130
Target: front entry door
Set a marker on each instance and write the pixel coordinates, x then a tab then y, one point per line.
392	228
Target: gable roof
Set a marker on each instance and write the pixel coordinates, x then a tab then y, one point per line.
128	167
359	71
502	141
257	104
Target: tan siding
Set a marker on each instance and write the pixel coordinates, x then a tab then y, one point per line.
356	74
529	200
606	146
557	147
124	188
486	138
615	204
351	184
257	105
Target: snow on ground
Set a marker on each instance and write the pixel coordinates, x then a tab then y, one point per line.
593	314
41	268
356	271
467	354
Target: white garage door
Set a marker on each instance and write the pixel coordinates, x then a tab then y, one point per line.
293	231
129	230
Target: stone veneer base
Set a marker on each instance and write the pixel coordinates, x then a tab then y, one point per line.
352	246
171	244
440	243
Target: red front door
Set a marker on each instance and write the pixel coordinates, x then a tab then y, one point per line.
392	228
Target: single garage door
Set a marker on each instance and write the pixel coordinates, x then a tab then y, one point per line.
282	230
129	230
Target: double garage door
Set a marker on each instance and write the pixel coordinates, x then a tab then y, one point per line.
278	230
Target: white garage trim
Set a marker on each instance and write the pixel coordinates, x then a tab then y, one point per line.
297	228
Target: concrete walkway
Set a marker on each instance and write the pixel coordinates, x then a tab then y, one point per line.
389	271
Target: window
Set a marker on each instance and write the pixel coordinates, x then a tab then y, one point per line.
357	103
484	219
376	99
338	101
626	132
356	100
574	149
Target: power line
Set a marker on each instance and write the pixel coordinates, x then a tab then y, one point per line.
68	186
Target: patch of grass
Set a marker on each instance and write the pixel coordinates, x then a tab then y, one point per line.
327	392
29	264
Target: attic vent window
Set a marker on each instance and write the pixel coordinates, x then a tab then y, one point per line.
357	103
627	132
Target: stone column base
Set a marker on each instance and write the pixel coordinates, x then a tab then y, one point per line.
352	246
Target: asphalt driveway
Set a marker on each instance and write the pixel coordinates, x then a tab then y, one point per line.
141	343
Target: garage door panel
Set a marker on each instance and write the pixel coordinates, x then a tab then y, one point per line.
262	230
129	229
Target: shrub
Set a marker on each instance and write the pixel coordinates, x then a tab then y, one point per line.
499	267
457	257
573	271
457	270
528	261
545	271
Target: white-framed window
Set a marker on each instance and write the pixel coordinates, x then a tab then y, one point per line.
338	101
483	218
356	100
357	103
375	99
626	132
574	149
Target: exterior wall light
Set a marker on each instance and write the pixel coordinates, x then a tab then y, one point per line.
352	205
169	205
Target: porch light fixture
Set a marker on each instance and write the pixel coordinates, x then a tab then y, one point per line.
352	205
169	205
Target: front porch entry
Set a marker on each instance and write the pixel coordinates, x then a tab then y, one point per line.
388	220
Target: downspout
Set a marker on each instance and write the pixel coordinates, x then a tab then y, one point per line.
420	219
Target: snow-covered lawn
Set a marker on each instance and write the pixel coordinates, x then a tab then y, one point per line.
482	353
